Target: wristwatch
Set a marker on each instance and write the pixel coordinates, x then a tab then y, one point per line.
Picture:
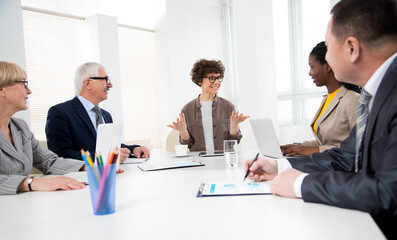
29	181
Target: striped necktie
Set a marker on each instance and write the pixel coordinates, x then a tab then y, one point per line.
362	117
98	118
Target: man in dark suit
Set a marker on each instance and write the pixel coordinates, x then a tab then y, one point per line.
362	174
72	125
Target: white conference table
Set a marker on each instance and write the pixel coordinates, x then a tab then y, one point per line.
163	205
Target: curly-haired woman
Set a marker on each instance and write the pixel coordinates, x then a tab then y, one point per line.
208	120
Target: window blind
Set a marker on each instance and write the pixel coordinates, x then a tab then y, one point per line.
53	46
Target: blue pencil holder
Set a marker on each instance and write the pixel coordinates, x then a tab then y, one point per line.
103	190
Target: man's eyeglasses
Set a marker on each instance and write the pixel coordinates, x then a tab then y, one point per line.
107	79
213	79
23	82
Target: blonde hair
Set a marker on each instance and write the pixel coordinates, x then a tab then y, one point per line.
10	72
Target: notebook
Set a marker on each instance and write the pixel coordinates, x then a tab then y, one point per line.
108	138
266	137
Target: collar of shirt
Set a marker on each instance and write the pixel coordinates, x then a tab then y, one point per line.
198	103
88	107
373	83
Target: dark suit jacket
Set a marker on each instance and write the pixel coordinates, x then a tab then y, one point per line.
69	129
332	179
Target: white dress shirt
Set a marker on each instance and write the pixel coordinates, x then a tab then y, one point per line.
88	107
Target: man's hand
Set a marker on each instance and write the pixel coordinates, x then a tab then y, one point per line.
262	170
283	184
124	153
141	152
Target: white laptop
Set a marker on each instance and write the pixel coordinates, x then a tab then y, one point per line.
266	137
108	138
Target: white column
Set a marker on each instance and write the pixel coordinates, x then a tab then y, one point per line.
12	46
256	63
103	44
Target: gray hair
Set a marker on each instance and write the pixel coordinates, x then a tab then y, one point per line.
89	69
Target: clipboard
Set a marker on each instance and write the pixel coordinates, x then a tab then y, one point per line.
170	165
216	189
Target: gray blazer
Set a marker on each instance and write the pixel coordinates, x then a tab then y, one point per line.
337	121
16	161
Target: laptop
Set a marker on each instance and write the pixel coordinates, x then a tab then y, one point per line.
266	137
108	138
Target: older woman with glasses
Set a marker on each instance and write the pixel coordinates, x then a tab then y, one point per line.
19	149
208	120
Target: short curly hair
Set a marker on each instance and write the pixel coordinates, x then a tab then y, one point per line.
202	67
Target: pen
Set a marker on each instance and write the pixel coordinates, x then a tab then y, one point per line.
248	171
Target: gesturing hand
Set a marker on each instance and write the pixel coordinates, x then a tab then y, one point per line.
237	118
180	124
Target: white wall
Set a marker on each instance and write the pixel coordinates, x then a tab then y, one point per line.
12	46
194	31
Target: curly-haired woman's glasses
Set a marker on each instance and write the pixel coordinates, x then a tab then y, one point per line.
213	79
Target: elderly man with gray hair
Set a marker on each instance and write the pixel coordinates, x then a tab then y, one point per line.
73	125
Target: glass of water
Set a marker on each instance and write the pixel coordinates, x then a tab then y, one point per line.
231	152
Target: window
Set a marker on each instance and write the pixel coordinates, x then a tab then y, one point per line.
139	92
295	37
53	51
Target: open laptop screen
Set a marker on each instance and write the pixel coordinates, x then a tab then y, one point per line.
266	137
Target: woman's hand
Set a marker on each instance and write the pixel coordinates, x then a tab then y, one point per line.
290	150
52	184
235	119
181	127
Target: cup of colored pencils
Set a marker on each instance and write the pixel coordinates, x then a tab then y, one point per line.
102	180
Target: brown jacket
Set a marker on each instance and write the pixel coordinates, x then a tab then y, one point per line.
335	124
221	111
